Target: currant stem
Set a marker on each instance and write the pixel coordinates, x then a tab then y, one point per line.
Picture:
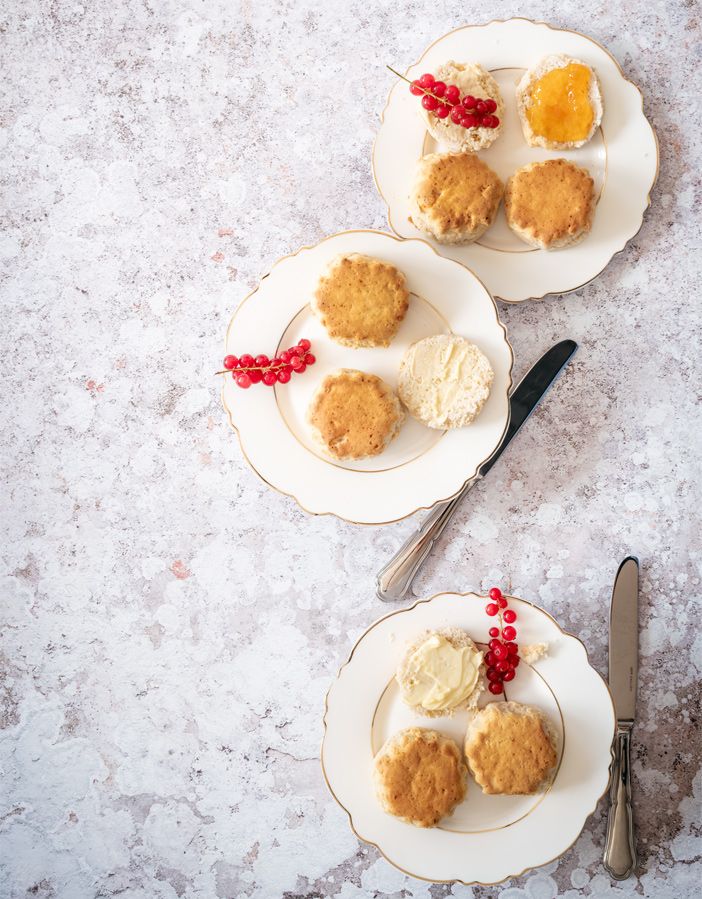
441	100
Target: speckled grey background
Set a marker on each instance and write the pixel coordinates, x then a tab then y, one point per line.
170	625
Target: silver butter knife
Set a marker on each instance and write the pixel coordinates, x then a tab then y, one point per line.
620	847
394	580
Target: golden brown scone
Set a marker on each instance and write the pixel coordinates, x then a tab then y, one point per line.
455	197
354	414
420	776
361	301
511	749
550	204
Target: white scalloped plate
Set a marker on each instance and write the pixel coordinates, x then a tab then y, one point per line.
622	158
421	466
488	838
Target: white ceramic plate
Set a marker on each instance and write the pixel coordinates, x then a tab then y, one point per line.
622	157
488	838
421	466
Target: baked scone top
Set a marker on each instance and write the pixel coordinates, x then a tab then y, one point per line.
421	776
551	200
457	191
509	749
361	301
354	414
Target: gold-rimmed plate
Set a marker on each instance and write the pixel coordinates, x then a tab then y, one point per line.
364	708
622	158
421	466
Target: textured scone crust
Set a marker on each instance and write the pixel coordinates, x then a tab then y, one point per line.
354	414
439	396
361	301
473	79
455	197
555	61
458	638
420	776
511	749
551	204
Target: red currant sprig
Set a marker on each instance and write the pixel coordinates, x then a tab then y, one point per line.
445	100
502	657
247	371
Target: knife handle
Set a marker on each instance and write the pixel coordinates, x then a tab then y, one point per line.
395	579
620	851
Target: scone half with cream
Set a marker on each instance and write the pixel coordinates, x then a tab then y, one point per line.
559	103
420	776
511	749
455	197
441	673
550	205
354	414
444	381
472	80
361	301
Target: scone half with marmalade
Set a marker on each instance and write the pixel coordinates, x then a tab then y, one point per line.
354	414
420	776
559	103
511	749
550	205
361	301
441	673
472	80
444	381
455	197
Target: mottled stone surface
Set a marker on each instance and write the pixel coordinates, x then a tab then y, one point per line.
170	625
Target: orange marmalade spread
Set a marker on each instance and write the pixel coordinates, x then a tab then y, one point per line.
560	108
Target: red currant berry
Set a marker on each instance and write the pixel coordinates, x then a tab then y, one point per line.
269	378
246	361
494	121
439	88
299	371
304	344
452	94
276	362
469	101
512	648
493	674
514	660
427	81
490	105
495	593
296	351
457	114
469	121
442	111
416	89
429	102
510	616
491	609
509	675
490	658
310	359
297	363
501	652
480	107
230	362
255	377
282	376
502	602
243	381
509	633
503	665
495	687
493	643
263	361
494	632
285	357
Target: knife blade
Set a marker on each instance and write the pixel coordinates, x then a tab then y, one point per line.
394	580
620	848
